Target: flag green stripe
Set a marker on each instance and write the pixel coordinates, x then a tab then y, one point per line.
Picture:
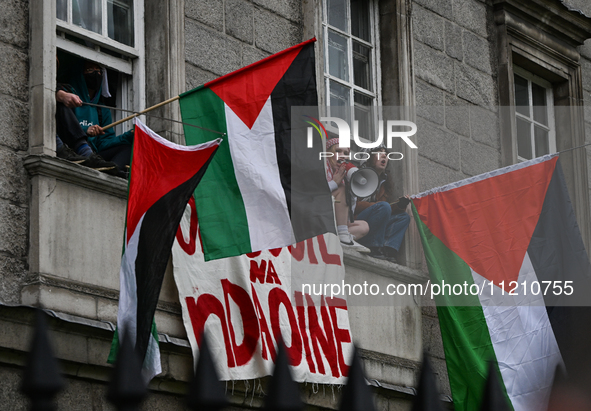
465	334
229	234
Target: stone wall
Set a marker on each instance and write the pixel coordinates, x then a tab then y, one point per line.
14	119
585	50
456	99
456	90
223	35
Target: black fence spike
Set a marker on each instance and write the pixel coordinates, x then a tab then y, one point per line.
127	387
42	378
357	395
284	393
494	398
427	398
206	393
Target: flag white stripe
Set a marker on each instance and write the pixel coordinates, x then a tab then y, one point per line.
522	338
484	176
127	314
257	173
152	364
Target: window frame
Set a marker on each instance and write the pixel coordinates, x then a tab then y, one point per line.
374	64
131	94
542	38
101	39
550	127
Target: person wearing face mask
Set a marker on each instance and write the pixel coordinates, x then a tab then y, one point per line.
384	213
71	140
90	84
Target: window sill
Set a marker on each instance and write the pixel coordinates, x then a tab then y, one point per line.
383	268
44	165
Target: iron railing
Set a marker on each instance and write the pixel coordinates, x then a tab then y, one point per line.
42	381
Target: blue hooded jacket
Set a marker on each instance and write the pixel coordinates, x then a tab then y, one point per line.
89	116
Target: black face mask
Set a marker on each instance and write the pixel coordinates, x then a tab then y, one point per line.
93	80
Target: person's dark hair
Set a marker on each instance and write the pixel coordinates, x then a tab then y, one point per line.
373	158
389	183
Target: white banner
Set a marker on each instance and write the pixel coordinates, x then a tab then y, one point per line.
246	303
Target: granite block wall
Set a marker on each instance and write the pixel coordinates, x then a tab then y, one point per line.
456	99
456	90
14	119
223	35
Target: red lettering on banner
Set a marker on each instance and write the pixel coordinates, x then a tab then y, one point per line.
275	251
253	254
272	277
311	255
265	333
326	257
263	273
342	335
297	250
190	246
257	272
300	308
242	352
324	339
278	297
200	311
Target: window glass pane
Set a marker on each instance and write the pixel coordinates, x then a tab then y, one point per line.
61	7
541	141
120	20
363	106
337	13
339	95
338	65
362	66
539	101
87	14
521	96
360	19
524	139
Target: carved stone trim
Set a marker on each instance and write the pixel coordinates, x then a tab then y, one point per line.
384	268
63	170
94	290
398	89
542	37
549	16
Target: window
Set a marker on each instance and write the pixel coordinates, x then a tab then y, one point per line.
541	91
534	115
110	19
350	71
109	32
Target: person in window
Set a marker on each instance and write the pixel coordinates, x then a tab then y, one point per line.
89	83
71	140
385	215
337	170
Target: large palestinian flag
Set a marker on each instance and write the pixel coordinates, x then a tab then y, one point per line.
163	178
510	239
248	200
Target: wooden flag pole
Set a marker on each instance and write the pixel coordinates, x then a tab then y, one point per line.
170	100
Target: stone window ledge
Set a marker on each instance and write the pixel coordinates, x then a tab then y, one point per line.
383	268
48	166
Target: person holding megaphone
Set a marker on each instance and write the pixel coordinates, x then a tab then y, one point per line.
384	213
338	174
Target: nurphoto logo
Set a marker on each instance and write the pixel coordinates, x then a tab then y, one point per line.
394	129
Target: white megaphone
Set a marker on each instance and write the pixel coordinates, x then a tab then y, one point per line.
364	182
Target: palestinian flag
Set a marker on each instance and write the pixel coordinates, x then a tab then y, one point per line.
509	241
248	200
163	178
